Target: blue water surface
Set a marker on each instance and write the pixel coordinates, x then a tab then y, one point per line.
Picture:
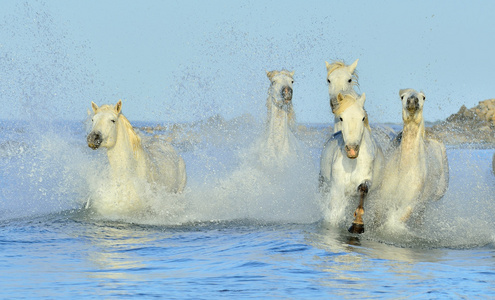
52	248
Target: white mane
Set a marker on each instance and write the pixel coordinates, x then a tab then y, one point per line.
342	79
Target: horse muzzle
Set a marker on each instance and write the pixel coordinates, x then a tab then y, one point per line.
287	94
352	151
94	140
412	104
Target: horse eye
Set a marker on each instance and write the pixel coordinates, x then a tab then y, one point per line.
113	121
328	80
341	119
424	98
364	118
350	80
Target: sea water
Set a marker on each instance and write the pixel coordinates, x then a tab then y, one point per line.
229	235
239	230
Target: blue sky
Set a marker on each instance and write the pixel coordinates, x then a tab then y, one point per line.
176	61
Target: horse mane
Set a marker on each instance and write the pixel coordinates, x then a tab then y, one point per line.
348	101
134	139
338	64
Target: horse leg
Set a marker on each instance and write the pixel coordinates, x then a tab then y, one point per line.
358	224
407	215
322	185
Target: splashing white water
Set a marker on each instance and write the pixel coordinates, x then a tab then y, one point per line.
463	217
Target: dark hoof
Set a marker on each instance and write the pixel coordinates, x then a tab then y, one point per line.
356	228
363	188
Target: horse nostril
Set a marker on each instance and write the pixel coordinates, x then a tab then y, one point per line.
287	93
94	140
412	103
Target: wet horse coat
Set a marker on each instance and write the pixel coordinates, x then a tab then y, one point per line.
351	163
417	170
131	164
279	142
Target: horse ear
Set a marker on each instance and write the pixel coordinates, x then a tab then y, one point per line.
353	66
362	99
94	106
327	65
270	74
340	98
292	73
118	107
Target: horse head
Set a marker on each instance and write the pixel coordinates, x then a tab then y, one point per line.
104	125
341	78
281	87
412	104
354	120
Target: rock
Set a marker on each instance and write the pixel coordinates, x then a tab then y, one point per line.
475	125
462	114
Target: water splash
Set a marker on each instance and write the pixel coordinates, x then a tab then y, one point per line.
47	167
463	218
41	172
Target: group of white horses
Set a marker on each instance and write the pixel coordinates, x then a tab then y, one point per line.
353	167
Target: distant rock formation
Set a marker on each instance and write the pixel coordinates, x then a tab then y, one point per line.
475	125
468	126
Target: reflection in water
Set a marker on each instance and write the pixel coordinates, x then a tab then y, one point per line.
355	264
116	253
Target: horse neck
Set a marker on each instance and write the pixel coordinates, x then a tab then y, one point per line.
122	157
412	144
367	143
278	130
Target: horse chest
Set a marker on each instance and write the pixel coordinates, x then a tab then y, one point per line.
412	166
350	173
280	141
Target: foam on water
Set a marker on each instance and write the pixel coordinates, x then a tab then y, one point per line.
462	218
225	182
252	190
51	170
47	167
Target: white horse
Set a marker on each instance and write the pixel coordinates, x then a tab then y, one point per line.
418	169
279	141
342	79
351	162
157	164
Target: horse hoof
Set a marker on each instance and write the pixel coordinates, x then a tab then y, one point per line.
356	228
363	188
